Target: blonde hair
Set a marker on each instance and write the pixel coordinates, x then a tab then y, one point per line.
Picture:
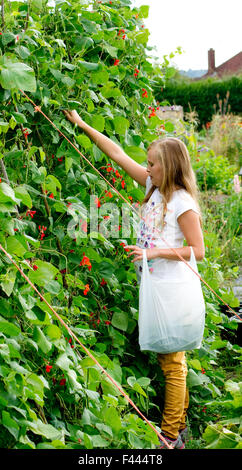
177	170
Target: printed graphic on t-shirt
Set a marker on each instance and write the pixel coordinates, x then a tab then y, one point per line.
153	233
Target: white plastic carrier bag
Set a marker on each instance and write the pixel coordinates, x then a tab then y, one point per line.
171	312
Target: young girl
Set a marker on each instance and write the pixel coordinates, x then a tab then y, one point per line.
172	212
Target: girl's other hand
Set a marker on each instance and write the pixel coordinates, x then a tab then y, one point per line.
73	116
151	253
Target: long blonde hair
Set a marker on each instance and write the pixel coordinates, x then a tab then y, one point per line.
177	170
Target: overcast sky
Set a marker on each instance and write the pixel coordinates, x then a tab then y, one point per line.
196	26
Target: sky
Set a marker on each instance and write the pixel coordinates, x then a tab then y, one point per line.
195	26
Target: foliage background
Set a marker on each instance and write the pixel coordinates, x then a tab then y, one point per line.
204	96
51	394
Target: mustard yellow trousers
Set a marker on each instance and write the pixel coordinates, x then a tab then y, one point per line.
174	368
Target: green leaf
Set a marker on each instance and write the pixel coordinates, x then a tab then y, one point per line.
121	125
110	92
44	273
137	153
84	42
8	328
44	344
46	430
144	11
84	141
68	163
22	194
51	183
17	75
218	437
120	320
15	247
113	51
4	126
193	379
63	362
136	386
100	77
20	118
88	65
141	37
7	38
135	441
5	308
37	385
112	419
7	193
196	364
8	283
93	96
53	331
53	287
23	52
144	381
98	122
99	441
10	424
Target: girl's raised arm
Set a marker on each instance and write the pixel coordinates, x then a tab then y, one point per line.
110	148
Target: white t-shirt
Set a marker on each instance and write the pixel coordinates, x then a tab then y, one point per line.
148	237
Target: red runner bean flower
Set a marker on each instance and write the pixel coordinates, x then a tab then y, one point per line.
86	262
136	72
152	113
121	31
31	213
87	288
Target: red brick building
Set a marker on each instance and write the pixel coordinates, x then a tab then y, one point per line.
232	66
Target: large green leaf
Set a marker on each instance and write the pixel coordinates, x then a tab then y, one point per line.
44	344
44	273
98	122
46	430
137	153
144	11
100	77
8	328
218	437
7	193
8	281
121	125
112	419
193	379
15	247
88	65
17	75
10	424
120	320
22	194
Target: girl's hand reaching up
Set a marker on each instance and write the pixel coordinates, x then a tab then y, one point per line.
73	116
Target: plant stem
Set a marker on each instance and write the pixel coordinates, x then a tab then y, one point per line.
2	11
27	18
4	171
3	168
